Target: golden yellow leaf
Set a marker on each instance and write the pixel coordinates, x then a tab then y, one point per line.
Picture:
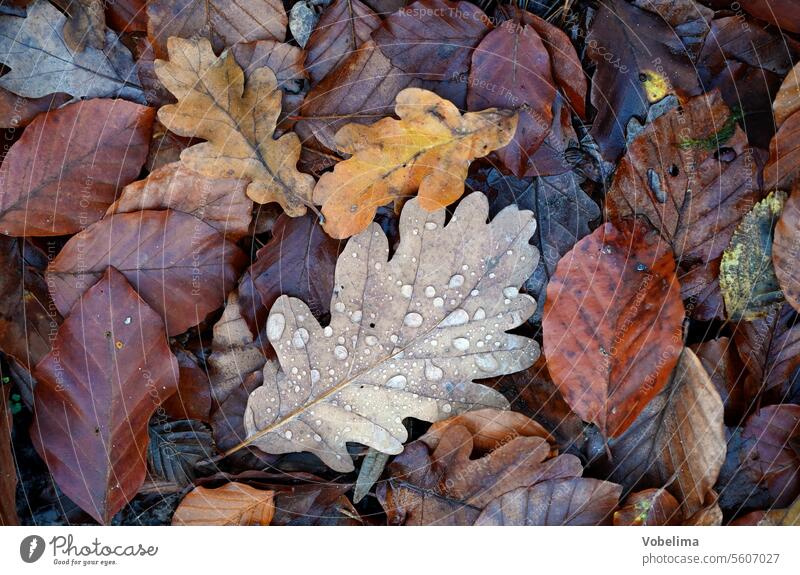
238	123
429	148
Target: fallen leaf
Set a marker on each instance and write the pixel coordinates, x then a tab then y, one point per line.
237	122
432	39
576	501
726	371
437	482
231	504
91	417
85	25
784	155
746	274
344	25
192	400
181	266
369	472
427	150
691	175
127	15
358	378
69	164
613	324
489	428
649	507
782	13
18	112
221	203
785	249
8	463
678	441
41	62
175	448
787	100
636	65
710	515
688	18
223	22
701	293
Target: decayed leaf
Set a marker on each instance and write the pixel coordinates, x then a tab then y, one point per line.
429	148
407	337
224	22
110	368
69	164
576	501
344	25
181	266
433	39
237	122
8	467
447	477
678	441
786	250
86	25
231	504
41	63
613	324
675	175
222	203
746	274
649	507
175	447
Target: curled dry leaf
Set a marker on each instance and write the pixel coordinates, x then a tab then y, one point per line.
676	175
448	476
41	62
613	324
575	501
786	249
678	441
91	416
223	22
746	274
221	203
238	123
428	149
649	507
344	25
69	164
231	504
181	266
407	336
175	448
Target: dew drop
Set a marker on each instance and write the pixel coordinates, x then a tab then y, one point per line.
300	338
457	317
456	281
511	292
413	319
127	320
275	326
474	293
314	376
446	408
339	306
397	382
486	362
340	352
438	302
430	291
348	408
371	340
378	266
479	314
407	290
461	343
356	317
430	225
433	372
393	338
328	331
288	435
317	437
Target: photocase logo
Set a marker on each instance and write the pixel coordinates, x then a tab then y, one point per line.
31	548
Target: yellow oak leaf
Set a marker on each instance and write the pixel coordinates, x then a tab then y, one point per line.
428	149
237	121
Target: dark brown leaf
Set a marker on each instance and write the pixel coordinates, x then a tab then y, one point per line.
8	465
786	249
649	507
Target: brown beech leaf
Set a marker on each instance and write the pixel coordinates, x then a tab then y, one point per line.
649	507
676	174
299	261
41	62
787	101
428	150
575	501
224	22
8	466
701	293
433	39
786	249
746	273
511	69
613	324
193	398
407	336
231	504
689	19
91	416
344	26
221	203
238	123
710	515
69	164
770	350
723	365
27	320
784	155
181	266
17	112
127	15
86	25
437	481
678	441
637	65
782	13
